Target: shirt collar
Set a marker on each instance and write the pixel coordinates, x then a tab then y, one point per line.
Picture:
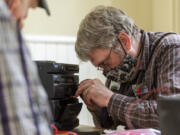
145	50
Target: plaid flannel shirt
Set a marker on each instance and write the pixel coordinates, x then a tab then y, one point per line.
135	104
24	108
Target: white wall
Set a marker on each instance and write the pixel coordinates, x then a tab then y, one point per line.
65	18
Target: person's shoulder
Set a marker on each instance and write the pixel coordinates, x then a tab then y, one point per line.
164	38
154	37
170	39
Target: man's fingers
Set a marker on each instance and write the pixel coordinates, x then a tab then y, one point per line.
87	98
80	91
82	87
83	82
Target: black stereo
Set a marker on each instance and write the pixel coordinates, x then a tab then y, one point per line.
60	82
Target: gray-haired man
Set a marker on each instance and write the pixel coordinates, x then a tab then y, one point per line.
143	63
24	108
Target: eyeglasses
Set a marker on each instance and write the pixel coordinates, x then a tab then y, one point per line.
103	65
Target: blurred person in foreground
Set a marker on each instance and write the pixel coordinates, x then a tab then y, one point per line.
145	64
24	108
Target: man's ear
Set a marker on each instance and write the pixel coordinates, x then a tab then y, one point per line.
125	40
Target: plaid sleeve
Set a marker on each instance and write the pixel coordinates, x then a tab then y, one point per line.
135	113
169	68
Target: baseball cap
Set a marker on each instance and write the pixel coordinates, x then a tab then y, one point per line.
43	4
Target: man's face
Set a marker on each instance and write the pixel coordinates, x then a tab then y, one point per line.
105	58
19	9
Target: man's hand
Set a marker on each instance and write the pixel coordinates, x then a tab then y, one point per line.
94	93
